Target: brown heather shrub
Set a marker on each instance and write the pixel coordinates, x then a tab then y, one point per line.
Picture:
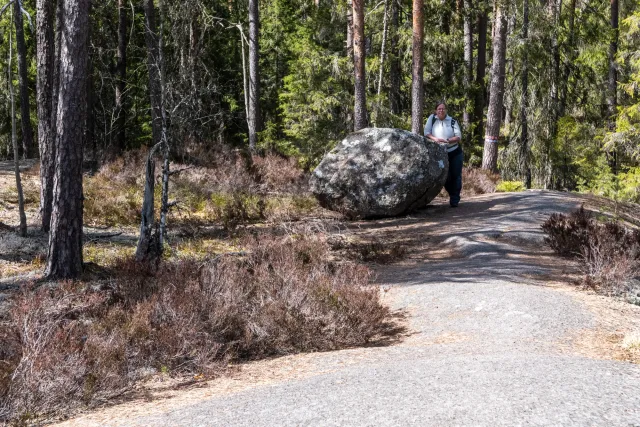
609	251
77	344
478	181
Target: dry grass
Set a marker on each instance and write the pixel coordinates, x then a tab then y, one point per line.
74	344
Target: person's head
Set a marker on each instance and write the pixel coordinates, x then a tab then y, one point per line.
441	110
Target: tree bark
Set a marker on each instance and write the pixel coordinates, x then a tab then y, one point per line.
481	65
359	55
612	98
28	149
45	47
525	168
65	240
254	73
494	115
153	67
394	72
383	54
121	77
349	41
22	229
571	54
468	65
417	92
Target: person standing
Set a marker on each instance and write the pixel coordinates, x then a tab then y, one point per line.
443	129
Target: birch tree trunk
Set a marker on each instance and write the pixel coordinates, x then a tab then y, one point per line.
254	73
65	239
28	149
359	56
45	50
417	91
494	115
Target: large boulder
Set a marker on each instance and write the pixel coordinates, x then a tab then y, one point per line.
379	172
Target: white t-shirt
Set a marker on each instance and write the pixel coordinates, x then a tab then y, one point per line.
447	128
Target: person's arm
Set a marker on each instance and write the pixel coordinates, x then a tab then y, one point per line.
457	135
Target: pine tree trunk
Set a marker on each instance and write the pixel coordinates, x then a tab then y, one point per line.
359	56
481	65
46	137
153	67
65	240
417	91
254	73
525	168
28	148
554	16
468	65
121	77
394	72
496	94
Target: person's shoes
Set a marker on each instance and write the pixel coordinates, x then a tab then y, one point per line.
453	205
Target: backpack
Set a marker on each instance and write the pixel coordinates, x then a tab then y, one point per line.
433	121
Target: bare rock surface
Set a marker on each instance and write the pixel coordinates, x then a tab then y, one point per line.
498	339
380	172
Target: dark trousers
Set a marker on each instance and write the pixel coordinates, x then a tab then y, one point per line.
454	179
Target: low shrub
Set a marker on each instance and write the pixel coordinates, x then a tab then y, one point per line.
510	186
478	181
75	344
609	251
370	251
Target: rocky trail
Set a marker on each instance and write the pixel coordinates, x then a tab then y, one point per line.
498	336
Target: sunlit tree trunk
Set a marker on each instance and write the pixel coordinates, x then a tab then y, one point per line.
417	87
496	94
359	57
468	65
65	239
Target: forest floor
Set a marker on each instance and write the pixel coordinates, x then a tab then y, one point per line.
499	332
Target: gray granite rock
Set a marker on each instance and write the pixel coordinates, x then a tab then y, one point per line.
380	172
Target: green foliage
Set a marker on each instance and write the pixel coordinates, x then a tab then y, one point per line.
510	186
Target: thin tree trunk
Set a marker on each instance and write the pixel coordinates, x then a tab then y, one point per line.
417	92
494	115
359	56
65	240
153	67
28	148
612	98
571	54
612	86
254	73
481	65
164	205
383	52
509	98
121	77
147	247
468	65
525	169
394	72
46	137
554	12
14	140
349	41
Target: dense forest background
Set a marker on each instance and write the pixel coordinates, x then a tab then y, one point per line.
577	136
